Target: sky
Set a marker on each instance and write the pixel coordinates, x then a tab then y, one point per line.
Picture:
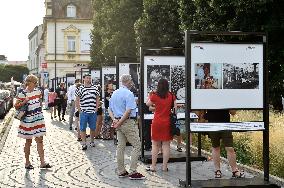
18	18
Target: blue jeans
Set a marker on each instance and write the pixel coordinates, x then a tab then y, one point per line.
88	118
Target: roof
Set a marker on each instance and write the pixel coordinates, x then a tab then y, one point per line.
84	8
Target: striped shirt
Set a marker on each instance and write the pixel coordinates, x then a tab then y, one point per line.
87	97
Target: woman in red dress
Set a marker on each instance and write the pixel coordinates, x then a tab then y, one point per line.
162	99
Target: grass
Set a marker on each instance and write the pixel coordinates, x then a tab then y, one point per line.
249	145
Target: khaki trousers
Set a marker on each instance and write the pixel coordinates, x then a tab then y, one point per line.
128	131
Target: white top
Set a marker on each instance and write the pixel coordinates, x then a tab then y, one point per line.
45	94
71	93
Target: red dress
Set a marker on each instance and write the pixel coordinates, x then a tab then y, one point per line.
160	128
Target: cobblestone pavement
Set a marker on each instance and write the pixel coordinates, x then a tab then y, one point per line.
73	167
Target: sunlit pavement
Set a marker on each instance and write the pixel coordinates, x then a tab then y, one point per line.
73	167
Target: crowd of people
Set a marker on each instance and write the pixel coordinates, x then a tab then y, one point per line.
118	113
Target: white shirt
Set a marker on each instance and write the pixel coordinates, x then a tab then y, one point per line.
45	93
71	93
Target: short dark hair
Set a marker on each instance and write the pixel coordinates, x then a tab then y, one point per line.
87	74
77	80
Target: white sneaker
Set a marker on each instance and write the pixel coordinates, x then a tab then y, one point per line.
92	144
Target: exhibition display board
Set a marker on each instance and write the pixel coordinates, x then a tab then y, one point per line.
128	65
226	75
172	68
83	72
108	75
96	76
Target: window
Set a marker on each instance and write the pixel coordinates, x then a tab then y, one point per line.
71	11
71	44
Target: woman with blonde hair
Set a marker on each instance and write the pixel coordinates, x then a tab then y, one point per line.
32	125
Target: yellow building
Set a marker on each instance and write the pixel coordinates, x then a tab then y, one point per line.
66	34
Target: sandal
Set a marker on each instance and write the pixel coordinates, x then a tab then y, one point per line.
149	168
238	174
29	167
46	166
218	174
179	149
166	170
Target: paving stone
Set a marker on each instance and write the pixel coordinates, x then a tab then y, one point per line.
72	167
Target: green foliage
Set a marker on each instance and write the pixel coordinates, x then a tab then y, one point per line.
8	71
243	15
159	24
113	30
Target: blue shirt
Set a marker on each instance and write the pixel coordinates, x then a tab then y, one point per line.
121	100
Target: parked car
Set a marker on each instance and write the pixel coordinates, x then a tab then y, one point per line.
6	102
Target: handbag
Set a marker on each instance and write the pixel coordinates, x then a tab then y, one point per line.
173	120
21	112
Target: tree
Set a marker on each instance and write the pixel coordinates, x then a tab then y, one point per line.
246	15
113	31
8	71
159	24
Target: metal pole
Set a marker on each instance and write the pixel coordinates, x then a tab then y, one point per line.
141	101
265	115
187	105
55	50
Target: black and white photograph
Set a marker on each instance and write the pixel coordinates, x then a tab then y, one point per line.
70	81
110	78
208	76
241	76
155	73
177	82
235	71
96	77
134	71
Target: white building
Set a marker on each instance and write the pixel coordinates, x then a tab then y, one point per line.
36	52
67	29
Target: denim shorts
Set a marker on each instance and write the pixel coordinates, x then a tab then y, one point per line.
88	118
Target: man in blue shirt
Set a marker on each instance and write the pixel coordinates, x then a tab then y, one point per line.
122	110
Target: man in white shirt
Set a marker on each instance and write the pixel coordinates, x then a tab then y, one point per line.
45	95
71	101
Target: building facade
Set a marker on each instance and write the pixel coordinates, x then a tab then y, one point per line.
36	53
66	34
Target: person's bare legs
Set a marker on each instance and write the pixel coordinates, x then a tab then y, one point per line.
155	150
231	156
54	111
166	154
92	135
51	112
78	127
99	125
179	140
40	150
27	150
216	157
83	136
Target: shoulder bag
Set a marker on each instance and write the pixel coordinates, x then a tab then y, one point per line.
173	120
22	111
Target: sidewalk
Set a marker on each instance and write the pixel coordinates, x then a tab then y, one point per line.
73	167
